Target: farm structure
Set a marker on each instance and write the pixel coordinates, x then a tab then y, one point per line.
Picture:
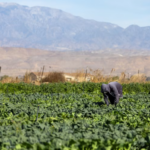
77	78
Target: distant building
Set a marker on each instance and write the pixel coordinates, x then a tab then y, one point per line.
77	78
69	77
32	76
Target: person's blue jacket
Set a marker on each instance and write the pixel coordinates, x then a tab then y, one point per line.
113	91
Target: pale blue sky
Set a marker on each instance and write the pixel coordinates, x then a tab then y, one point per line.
120	12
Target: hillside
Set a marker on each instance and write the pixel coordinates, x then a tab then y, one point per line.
16	61
53	29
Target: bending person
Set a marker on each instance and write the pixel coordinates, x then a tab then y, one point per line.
113	91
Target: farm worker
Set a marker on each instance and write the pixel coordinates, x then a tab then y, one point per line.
113	91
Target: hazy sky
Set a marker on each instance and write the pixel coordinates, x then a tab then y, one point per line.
120	12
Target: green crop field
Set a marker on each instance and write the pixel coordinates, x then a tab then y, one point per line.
67	116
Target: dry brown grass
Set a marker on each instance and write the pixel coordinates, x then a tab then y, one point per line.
138	78
80	75
96	76
10	80
26	78
6	80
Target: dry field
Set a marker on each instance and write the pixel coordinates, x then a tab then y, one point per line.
17	61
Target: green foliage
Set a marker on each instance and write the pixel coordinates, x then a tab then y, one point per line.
73	117
89	87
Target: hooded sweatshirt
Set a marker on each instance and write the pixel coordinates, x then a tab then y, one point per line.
113	91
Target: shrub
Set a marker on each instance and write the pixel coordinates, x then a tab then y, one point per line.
54	77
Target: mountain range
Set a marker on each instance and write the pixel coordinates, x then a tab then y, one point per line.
53	29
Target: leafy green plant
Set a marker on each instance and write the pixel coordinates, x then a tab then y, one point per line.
46	117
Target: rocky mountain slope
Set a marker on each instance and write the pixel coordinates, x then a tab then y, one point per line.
53	29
